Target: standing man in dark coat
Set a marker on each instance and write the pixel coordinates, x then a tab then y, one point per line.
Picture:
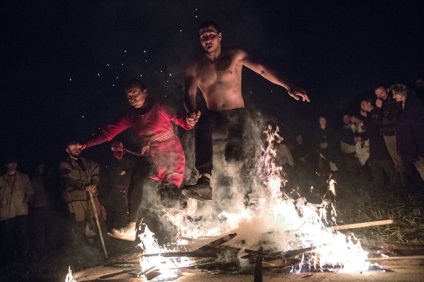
410	127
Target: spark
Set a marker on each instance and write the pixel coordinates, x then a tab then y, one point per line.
98	74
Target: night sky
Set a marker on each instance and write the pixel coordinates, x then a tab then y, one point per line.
63	63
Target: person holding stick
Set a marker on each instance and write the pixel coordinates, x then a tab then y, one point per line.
80	177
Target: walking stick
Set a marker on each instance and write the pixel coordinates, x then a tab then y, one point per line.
93	205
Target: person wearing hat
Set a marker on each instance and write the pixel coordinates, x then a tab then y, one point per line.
80	176
15	190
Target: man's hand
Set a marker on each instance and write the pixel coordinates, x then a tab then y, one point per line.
91	189
193	117
297	93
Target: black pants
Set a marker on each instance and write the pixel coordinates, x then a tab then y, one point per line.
14	239
231	122
139	179
152	216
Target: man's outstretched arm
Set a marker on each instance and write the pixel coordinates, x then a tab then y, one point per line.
272	76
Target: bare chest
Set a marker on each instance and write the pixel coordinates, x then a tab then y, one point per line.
221	70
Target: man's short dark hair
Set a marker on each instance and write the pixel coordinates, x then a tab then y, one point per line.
401	89
213	24
72	142
135	82
11	159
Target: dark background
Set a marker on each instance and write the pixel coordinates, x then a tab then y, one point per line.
63	63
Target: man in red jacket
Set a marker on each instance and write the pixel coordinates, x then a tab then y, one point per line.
162	156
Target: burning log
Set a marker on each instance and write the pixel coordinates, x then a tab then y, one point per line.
216	243
362	224
278	255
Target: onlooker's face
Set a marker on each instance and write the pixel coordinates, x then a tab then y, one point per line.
210	39
299	139
74	150
41	168
12	167
322	121
381	93
399	97
366	106
347	119
136	97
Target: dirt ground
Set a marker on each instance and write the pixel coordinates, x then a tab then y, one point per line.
403	273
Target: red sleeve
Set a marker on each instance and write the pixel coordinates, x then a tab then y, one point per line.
110	131
181	121
170	113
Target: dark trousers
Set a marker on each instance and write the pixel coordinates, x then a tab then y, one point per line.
116	207
230	122
382	170
139	179
152	216
41	223
14	239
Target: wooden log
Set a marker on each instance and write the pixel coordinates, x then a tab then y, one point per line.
217	242
397	258
196	254
362	224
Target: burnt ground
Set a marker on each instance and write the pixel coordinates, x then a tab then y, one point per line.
402	242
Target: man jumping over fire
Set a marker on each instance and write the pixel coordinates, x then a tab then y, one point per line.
218	75
162	158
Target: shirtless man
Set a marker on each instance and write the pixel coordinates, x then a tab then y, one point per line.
218	75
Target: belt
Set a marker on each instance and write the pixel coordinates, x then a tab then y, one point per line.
163	137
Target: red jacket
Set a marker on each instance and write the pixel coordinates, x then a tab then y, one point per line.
152	124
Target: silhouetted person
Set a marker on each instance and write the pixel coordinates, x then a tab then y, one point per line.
15	190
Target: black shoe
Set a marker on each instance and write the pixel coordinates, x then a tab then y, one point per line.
170	195
202	190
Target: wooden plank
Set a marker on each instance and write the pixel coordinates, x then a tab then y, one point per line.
362	224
